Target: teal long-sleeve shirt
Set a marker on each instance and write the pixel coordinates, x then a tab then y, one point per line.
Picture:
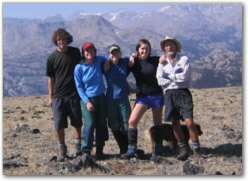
89	79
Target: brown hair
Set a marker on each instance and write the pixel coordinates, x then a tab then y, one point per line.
62	33
143	41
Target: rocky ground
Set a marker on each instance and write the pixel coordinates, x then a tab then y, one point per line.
30	145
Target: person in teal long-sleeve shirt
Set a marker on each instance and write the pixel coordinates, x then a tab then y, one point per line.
90	86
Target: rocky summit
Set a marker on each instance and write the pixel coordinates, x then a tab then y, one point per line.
30	145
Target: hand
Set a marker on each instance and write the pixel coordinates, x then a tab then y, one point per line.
165	75
178	71
162	60
135	55
131	60
107	65
50	102
90	107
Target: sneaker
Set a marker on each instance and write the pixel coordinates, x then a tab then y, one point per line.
183	153
131	152
62	153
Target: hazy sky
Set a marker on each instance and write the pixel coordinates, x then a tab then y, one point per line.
42	10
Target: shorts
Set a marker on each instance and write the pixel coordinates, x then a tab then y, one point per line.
64	107
178	105
155	101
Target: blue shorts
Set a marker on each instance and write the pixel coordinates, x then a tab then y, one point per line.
155	101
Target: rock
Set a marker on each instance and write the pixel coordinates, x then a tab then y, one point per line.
218	173
35	131
21	127
190	169
13	164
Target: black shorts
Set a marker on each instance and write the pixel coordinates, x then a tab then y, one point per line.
178	104
64	107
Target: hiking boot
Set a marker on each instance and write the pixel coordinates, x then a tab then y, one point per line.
140	153
158	149
86	152
62	153
131	152
197	153
78	150
99	153
183	153
197	156
122	141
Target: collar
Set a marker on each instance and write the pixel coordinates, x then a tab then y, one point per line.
175	60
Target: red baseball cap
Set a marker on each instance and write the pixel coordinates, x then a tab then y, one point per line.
88	45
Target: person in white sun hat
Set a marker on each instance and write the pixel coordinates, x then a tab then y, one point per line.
173	75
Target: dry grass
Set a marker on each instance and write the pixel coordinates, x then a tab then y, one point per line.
218	111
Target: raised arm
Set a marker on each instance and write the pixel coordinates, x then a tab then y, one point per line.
106	66
132	59
162	59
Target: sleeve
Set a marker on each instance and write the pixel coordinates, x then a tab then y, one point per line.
161	81
78	55
183	76
102	59
126	60
78	78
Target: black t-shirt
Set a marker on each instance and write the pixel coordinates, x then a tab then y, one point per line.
60	66
144	72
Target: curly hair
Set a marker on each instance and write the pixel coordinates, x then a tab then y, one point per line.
143	41
61	33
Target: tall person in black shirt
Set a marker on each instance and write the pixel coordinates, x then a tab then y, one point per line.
149	95
63	97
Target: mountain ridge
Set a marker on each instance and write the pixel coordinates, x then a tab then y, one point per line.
27	45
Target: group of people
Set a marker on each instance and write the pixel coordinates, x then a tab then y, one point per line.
77	90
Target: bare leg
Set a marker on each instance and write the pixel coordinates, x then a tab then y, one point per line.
61	136
192	130
136	114
76	132
178	131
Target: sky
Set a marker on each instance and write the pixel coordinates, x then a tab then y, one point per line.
43	10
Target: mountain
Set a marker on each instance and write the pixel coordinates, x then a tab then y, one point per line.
220	68
54	19
206	31
199	24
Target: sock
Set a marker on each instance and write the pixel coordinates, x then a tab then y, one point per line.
196	145
62	145
181	144
77	141
132	136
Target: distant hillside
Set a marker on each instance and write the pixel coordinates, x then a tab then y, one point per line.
211	41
